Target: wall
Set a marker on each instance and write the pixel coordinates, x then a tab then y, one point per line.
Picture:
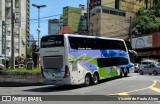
147	41
131	5
71	17
108	3
109	25
20	78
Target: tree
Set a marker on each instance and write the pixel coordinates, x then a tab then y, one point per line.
29	53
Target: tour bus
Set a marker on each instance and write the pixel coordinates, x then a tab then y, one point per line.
71	59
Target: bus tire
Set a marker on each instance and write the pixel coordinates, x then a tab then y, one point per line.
95	79
87	80
121	73
125	73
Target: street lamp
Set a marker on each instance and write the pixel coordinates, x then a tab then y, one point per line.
38	7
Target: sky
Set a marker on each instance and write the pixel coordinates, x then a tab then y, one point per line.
53	10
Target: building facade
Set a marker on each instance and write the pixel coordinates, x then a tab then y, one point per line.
71	17
21	10
111	18
54	25
109	22
147	46
127	5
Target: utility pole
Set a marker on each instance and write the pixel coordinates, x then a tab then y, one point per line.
38	7
12	39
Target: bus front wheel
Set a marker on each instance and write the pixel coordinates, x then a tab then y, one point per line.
126	73
87	80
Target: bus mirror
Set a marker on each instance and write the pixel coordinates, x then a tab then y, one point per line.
133	52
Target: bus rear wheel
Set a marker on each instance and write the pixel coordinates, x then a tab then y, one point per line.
121	73
87	80
95	79
126	73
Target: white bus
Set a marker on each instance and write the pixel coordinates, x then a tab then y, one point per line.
78	59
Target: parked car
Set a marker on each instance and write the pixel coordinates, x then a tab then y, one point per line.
150	69
147	62
2	66
136	67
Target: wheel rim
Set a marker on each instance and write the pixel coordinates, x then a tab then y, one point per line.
95	79
87	80
155	73
141	72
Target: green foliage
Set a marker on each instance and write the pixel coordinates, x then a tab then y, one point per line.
23	70
148	21
29	53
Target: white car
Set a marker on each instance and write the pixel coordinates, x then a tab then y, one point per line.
147	62
150	69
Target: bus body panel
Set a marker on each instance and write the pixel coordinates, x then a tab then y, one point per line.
87	58
82	61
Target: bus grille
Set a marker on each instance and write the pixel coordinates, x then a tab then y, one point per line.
51	62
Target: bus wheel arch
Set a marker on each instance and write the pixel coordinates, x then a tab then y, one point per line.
122	71
88	79
95	78
127	69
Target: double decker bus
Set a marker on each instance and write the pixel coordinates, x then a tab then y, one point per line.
71	59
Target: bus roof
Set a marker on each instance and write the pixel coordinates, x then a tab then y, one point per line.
78	35
100	37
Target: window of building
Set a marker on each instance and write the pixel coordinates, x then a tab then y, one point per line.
17	50
17	3
9	33
8	49
105	11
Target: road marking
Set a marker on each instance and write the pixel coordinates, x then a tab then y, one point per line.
150	87
121	94
154	88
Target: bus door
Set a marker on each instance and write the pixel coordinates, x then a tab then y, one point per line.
74	70
77	71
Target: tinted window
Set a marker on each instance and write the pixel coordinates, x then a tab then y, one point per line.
95	44
128	44
51	62
106	62
52	41
144	62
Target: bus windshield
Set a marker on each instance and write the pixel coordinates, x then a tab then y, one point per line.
52	41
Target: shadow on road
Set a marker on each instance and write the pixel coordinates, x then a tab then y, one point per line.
15	84
65	87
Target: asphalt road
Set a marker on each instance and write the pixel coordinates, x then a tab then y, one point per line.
135	84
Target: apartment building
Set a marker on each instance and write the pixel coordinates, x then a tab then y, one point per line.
54	25
21	9
71	17
127	5
111	18
109	22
